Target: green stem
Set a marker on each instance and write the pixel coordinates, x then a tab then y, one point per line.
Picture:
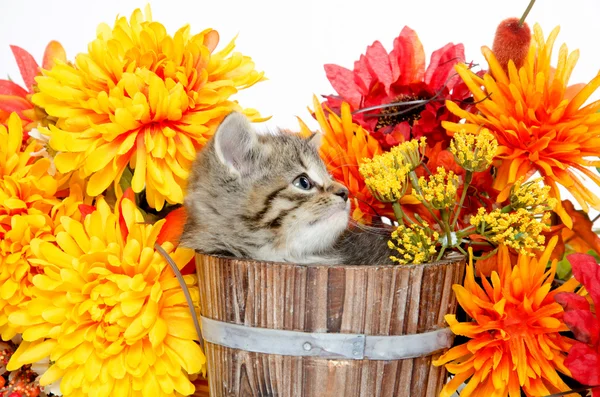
441	253
480	243
415	184
398	212
522	20
446	227
465	232
468	179
489	255
461	250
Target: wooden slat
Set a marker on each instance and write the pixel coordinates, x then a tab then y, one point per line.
372	300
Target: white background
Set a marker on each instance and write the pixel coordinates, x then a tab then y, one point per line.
291	40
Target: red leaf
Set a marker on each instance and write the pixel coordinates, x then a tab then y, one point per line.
173	226
11	103
587	272
407	58
27	65
583	324
362	76
379	65
584	364
54	50
85	210
441	66
342	81
571	301
190	267
582	237
7	87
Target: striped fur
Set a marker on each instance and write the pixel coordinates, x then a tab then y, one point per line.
242	201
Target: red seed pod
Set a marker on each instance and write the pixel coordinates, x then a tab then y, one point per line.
511	42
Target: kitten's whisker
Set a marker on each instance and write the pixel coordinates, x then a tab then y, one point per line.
343	165
380	231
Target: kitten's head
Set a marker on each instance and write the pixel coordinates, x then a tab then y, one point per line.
267	197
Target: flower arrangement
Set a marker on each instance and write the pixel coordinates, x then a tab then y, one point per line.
95	152
470	161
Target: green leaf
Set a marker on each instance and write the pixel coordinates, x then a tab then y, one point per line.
126	178
563	269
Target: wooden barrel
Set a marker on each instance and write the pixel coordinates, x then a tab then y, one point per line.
364	301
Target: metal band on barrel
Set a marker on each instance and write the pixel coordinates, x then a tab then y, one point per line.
325	345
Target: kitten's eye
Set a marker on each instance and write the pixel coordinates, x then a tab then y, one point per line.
303	182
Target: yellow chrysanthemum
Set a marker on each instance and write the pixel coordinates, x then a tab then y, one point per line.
142	98
26	201
108	311
515	342
539	125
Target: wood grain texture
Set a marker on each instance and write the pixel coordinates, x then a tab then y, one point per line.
371	300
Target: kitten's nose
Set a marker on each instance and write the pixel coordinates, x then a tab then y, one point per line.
342	192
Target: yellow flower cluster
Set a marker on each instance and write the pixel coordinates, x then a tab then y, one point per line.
386	176
440	190
474	152
415	244
27	197
532	196
144	99
412	151
108	311
518	229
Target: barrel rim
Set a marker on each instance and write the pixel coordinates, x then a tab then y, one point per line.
451	259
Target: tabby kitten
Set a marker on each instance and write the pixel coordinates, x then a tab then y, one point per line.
270	197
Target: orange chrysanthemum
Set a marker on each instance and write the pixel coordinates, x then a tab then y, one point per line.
28	210
539	126
142	98
343	147
515	333
108	310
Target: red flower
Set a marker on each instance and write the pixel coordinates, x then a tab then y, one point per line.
14	98
583	359
382	78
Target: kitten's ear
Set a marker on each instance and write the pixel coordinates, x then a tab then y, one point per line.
234	142
316	139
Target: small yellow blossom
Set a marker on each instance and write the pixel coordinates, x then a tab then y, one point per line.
386	176
474	152
532	196
412	151
518	229
440	190
415	244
